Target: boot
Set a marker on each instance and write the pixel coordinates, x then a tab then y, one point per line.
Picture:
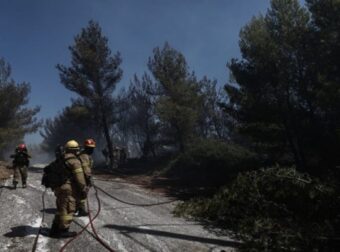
24	185
15	184
65	233
54	230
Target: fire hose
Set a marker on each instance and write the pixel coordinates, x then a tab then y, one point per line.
131	203
91	220
42	221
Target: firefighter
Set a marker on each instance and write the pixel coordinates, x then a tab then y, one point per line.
74	186
87	164
20	164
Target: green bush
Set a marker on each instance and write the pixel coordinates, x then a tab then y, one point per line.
211	162
274	209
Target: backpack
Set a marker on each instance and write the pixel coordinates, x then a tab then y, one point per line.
21	158
55	174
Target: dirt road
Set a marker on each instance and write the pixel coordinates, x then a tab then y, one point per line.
131	219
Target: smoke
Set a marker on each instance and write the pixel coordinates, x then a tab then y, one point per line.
39	155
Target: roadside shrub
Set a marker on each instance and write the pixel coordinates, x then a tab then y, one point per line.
5	173
274	209
211	162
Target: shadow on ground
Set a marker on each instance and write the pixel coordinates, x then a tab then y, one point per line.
49	210
6	187
133	229
22	231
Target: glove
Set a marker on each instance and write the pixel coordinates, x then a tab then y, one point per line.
83	192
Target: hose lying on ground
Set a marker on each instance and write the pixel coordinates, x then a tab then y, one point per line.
42	221
130	203
91	221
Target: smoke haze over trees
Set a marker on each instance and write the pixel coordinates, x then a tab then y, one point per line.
60	129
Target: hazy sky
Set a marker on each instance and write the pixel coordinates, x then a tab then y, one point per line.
35	35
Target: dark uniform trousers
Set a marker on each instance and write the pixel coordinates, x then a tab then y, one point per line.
20	170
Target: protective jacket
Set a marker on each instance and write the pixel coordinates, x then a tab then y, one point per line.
87	164
74	166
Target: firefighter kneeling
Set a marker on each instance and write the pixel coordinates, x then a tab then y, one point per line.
72	185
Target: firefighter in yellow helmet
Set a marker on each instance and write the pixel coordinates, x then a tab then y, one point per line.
74	186
87	164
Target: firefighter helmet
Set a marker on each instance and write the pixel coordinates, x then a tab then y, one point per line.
21	147
90	143
72	145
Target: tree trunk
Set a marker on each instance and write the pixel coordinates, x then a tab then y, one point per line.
108	139
294	147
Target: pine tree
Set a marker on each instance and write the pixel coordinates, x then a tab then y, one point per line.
286	97
271	100
93	75
179	101
142	118
16	119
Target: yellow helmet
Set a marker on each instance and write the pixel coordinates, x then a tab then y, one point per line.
72	145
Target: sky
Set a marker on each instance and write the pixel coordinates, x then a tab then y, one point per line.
35	35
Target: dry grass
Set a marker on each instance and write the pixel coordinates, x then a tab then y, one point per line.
4	171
